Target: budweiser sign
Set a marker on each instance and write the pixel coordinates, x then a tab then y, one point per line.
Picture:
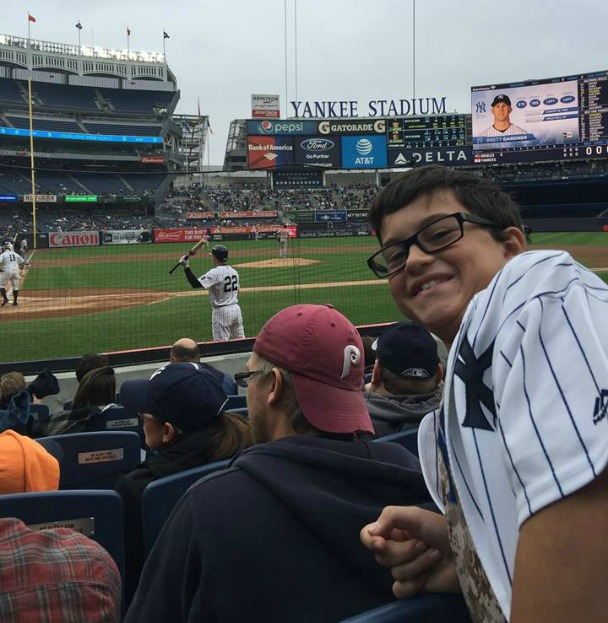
152	159
74	239
179	235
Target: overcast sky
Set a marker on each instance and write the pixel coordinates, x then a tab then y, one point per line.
222	51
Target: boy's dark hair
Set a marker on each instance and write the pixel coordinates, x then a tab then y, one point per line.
479	195
89	362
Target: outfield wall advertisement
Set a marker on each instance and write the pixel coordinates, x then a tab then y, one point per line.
127	236
74	239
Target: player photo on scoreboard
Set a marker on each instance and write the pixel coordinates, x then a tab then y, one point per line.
526	115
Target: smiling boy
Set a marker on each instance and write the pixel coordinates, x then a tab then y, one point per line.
517	458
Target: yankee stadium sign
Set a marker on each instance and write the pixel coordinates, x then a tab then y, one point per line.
375	108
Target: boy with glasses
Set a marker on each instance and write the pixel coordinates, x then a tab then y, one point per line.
517	457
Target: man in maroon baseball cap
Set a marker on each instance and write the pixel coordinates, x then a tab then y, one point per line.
282	523
316	354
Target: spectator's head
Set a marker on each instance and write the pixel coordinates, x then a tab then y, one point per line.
185	349
11	384
97	388
407	361
178	398
305	376
25	465
90	362
444	235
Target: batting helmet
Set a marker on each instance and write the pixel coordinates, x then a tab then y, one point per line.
220	251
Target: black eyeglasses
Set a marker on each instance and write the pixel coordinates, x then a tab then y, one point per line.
432	238
242	378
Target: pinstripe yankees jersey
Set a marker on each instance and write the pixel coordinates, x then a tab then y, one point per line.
223	285
524	420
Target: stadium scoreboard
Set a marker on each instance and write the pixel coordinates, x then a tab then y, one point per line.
558	119
427	132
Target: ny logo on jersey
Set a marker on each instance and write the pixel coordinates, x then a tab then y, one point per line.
480	107
470	370
600	409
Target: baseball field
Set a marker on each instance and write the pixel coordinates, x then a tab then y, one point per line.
122	297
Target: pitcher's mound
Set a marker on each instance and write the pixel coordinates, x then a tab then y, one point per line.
278	262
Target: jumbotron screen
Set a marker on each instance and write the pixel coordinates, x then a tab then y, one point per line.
553	119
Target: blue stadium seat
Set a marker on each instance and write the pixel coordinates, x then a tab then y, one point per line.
428	608
96	514
240	411
236	401
40	411
93	460
117	418
407	438
161	496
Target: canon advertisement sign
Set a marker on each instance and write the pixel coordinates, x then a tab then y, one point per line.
74	239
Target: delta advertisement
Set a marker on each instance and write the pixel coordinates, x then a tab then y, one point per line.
525	115
451	156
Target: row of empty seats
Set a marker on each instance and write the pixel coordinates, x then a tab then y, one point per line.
80	98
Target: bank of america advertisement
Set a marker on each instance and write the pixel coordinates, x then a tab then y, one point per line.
364	152
526	115
269	152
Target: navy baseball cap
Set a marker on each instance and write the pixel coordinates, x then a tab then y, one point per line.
182	393
501	99
409	350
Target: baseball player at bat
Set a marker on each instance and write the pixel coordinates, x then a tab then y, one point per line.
222	282
517	457
10	263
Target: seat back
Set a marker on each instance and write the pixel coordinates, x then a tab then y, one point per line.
236	401
93	460
117	418
96	514
406	438
426	608
161	496
40	411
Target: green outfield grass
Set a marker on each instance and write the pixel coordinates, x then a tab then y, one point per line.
116	274
58	275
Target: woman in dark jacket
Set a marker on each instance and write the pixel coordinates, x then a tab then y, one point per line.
185	425
96	392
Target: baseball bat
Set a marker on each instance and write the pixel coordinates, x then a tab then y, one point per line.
192	251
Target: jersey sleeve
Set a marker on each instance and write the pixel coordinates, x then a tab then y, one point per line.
209	279
550	378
